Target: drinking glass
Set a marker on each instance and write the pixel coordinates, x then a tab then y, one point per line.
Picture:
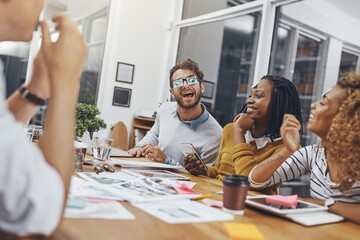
101	148
78	161
29	134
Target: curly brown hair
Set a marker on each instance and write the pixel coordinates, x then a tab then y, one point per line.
343	138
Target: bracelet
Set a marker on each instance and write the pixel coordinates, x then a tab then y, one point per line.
30	96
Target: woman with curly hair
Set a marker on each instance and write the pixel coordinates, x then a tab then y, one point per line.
334	164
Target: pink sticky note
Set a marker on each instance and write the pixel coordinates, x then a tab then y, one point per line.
183	189
212	203
287	201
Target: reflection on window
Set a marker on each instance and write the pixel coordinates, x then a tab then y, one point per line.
194	8
14	57
94	30
296	56
348	63
225	51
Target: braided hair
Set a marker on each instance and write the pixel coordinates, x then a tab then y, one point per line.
284	99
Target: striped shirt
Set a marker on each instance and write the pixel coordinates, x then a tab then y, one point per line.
311	159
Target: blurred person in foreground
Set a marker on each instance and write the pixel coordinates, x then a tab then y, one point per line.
34	179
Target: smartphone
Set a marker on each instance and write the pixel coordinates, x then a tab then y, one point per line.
188	148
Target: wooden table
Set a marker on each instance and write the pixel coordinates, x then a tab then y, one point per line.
146	226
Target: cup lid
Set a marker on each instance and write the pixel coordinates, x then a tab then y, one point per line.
236	180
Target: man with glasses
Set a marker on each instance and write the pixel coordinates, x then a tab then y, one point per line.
35	179
186	121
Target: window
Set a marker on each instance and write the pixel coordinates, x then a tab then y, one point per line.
297	55
194	8
348	63
94	30
225	51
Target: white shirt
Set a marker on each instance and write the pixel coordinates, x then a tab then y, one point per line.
260	142
31	191
311	159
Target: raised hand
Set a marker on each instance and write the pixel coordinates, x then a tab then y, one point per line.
290	132
39	83
243	121
64	58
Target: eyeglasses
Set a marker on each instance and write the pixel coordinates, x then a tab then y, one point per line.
106	167
180	82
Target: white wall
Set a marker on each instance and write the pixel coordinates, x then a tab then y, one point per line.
137	34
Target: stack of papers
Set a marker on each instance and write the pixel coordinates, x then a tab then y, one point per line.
133	164
128	186
96	196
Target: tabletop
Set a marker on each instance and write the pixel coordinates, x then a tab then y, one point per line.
146	226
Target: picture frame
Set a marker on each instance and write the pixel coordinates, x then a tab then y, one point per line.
122	97
209	89
125	72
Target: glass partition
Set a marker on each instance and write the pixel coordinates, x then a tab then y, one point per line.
348	63
225	51
194	8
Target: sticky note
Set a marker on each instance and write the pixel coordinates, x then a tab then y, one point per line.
287	201
241	231
212	203
182	188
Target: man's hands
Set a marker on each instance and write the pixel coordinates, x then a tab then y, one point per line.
290	132
148	150
194	166
136	152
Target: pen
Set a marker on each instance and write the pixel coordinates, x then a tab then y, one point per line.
202	197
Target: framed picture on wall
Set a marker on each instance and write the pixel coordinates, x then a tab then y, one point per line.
125	72
121	97
209	89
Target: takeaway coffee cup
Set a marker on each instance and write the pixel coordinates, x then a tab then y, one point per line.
235	190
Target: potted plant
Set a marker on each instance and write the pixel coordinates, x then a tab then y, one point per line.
87	120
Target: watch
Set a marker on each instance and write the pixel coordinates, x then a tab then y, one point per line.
31	97
329	202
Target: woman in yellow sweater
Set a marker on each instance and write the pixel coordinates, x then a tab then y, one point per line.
255	135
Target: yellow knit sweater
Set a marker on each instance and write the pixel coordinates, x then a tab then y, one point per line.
241	158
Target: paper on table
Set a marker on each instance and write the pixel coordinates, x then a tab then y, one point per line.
119	153
243	231
100	210
184	211
82	188
130	163
136	189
